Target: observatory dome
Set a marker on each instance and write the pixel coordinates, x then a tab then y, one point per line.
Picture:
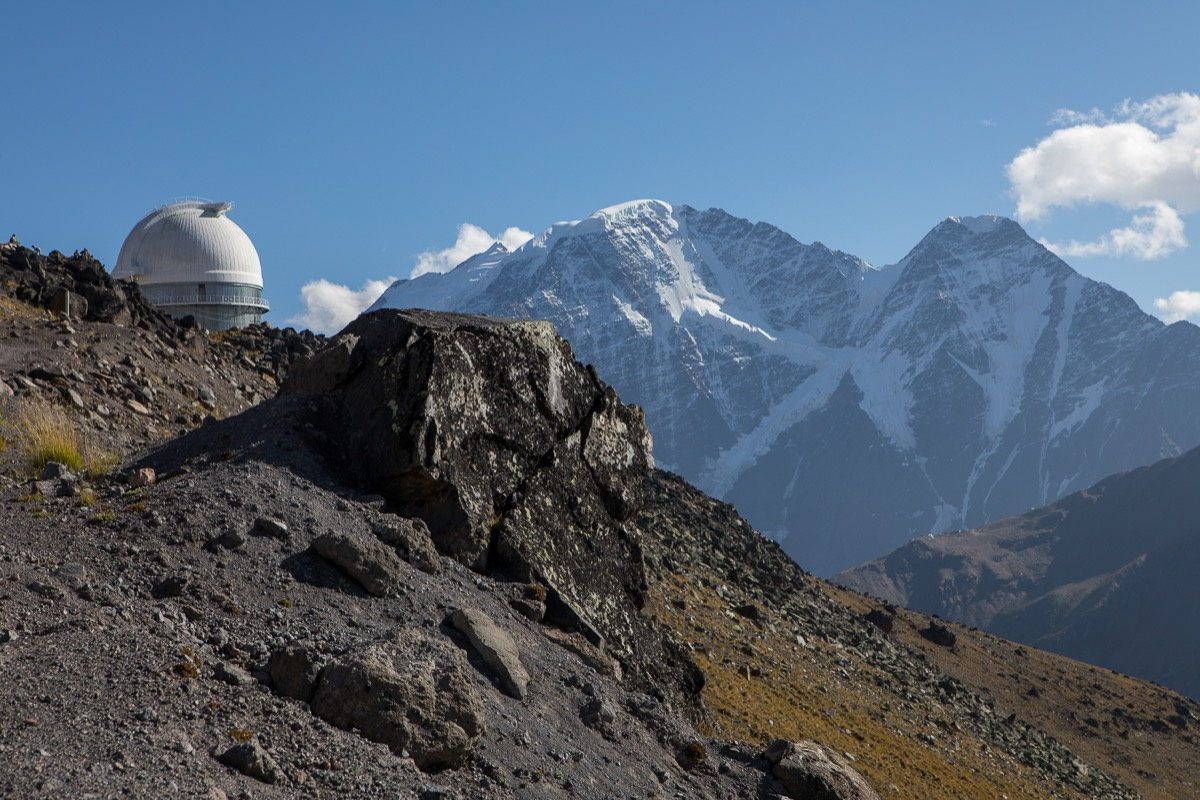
190	259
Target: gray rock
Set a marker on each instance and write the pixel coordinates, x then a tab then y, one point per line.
372	564
65	486
46	590
52	470
231	539
496	647
518	458
807	769
268	526
293	672
207	398
173	586
410	536
534	610
598	714
74	574
231	674
249	758
413	695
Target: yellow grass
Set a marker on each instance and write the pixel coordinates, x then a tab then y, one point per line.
45	432
11	308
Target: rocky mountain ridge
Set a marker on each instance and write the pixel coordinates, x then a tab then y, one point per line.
976	378
1103	575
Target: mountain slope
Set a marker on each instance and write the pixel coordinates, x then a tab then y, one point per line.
167	638
1106	575
845	408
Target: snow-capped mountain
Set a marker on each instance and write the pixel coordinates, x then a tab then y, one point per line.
844	408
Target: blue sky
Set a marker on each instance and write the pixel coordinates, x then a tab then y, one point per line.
354	137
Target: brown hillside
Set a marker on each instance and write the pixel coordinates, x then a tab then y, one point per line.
166	608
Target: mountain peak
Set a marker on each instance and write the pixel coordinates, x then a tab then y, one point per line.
989	370
636	208
986	223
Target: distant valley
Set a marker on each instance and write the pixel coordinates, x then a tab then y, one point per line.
1106	575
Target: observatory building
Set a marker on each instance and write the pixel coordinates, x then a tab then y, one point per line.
190	259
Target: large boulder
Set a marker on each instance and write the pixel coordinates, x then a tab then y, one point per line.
452	415
812	771
518	458
412	694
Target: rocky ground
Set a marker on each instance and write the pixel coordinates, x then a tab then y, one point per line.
435	565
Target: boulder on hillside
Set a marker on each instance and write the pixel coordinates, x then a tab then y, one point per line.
371	563
517	458
939	634
412	694
496	647
814	772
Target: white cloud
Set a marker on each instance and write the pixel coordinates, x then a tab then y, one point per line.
1143	157
329	307
472	240
1149	236
1180	305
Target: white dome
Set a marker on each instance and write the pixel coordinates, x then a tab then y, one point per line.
189	242
191	260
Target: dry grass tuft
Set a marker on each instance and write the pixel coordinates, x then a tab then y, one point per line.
44	432
12	308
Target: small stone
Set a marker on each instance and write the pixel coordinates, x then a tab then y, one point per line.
53	470
598	713
269	526
207	398
532	609
750	612
249	758
137	407
145	476
497	648
173	586
231	674
880	619
47	590
293	672
807	769
411	539
73	574
939	634
231	539
371	563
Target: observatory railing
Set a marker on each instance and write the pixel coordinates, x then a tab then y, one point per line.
211	294
209	299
